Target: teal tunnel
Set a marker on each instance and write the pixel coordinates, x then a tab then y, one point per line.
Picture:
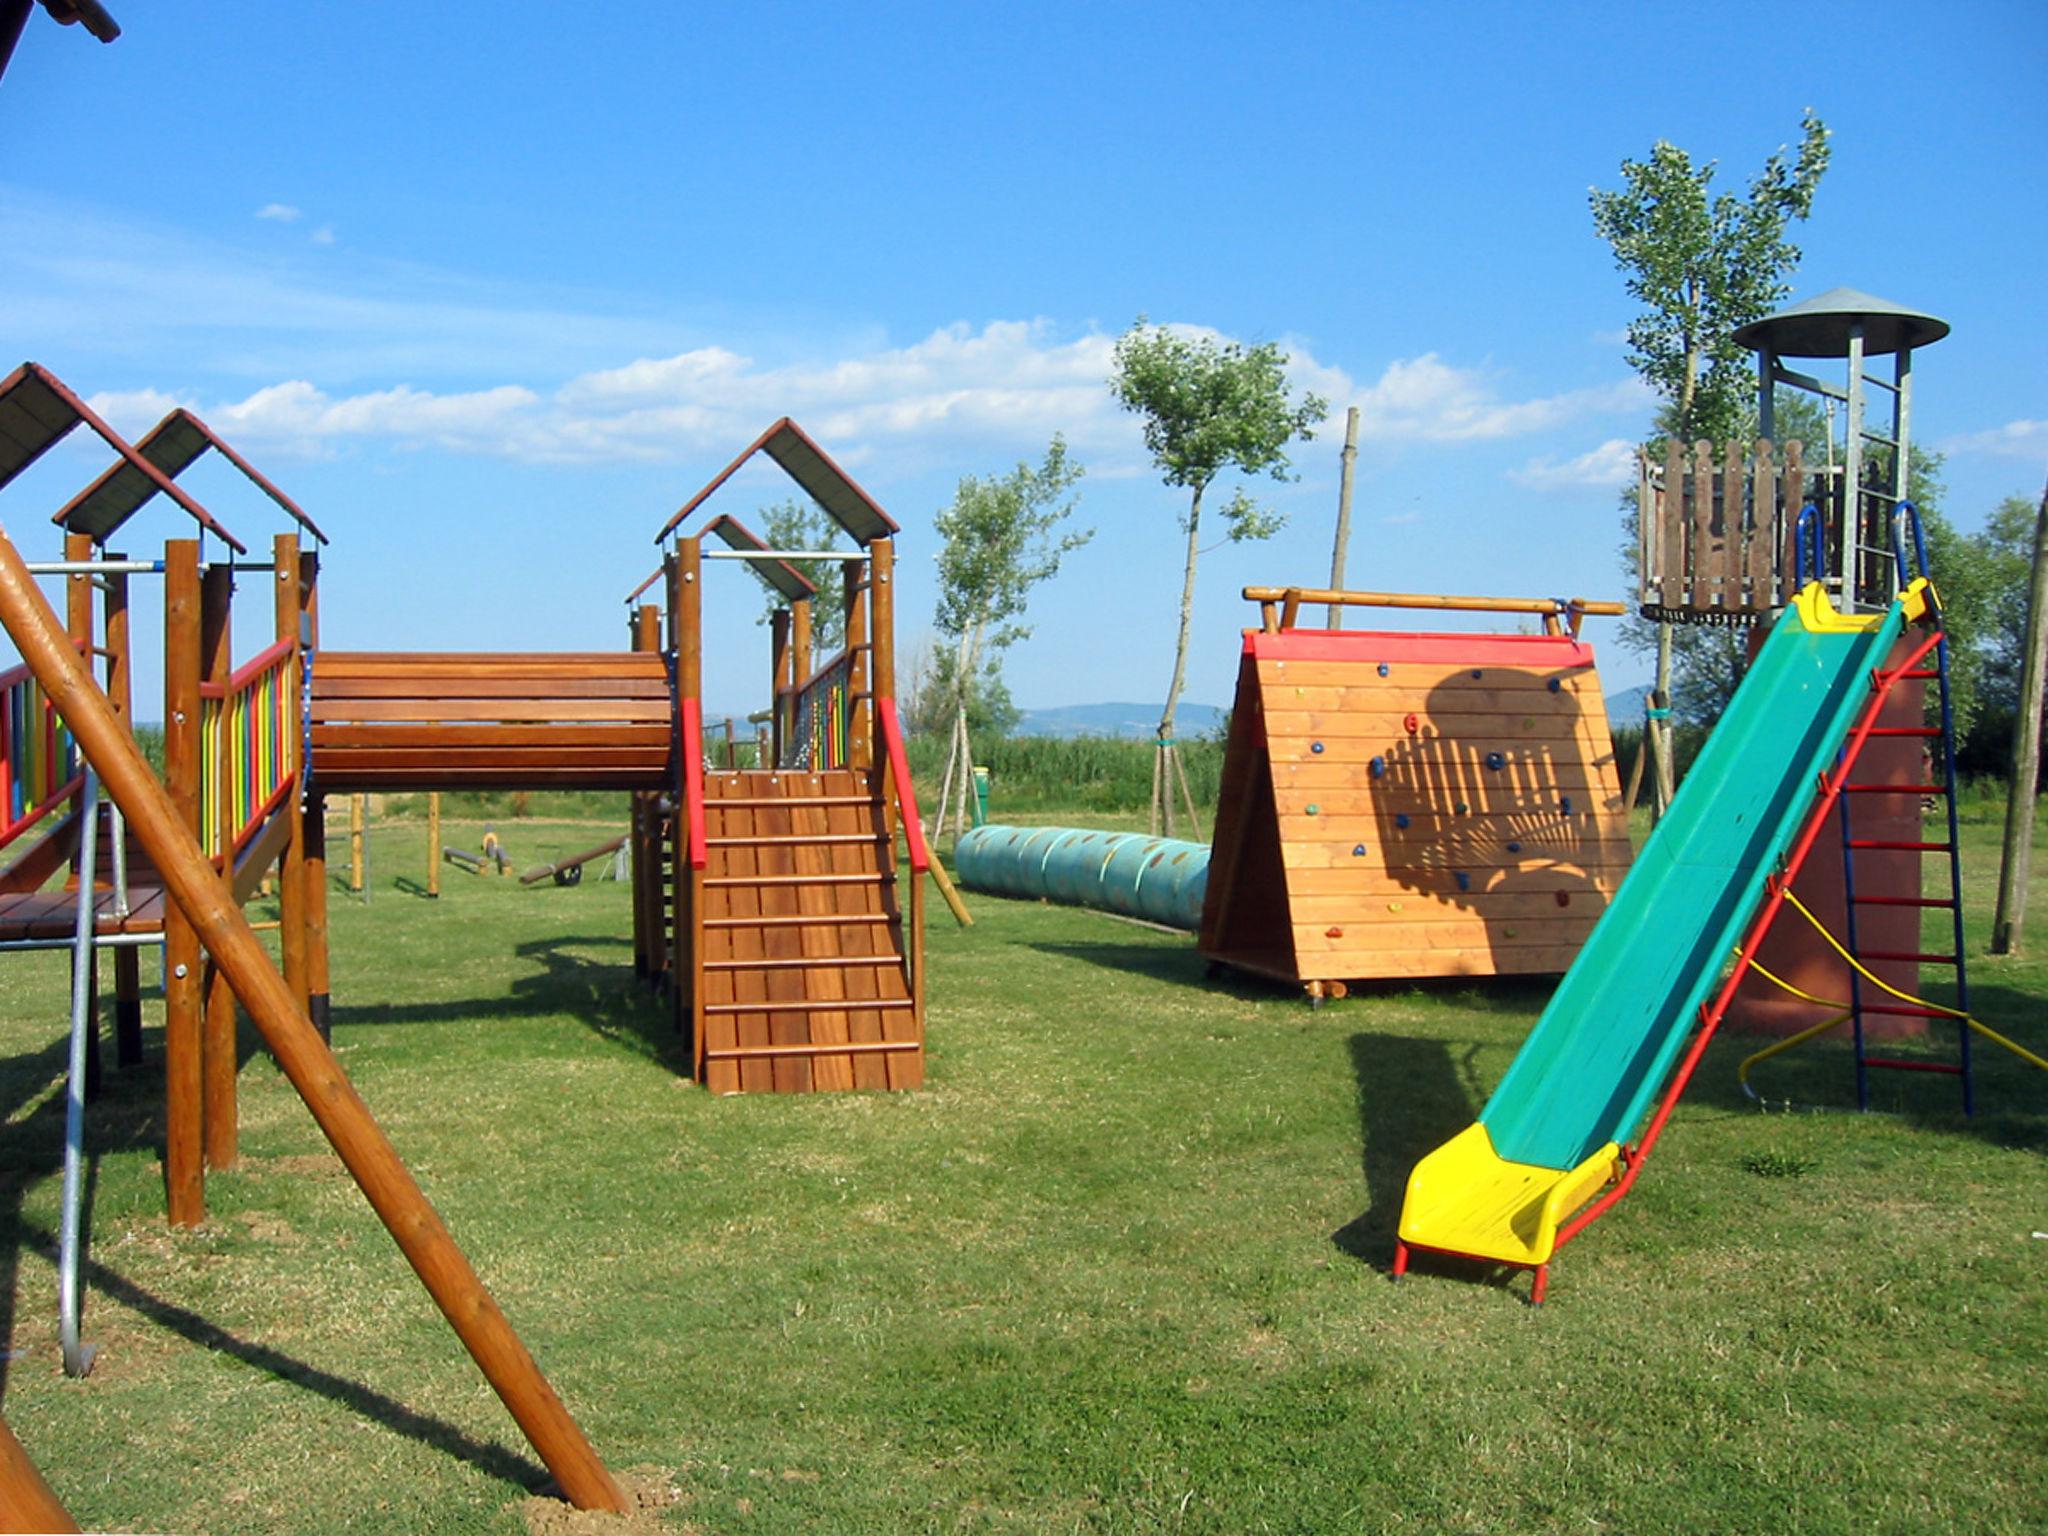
1155	878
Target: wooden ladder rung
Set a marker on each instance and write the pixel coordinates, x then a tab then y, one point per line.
840	1048
726	882
794	839
801	920
810	1005
801	963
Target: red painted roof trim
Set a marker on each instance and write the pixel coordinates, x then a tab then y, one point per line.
1366	647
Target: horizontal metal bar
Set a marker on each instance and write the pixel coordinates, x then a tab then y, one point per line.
100	941
844	556
97	568
1783	375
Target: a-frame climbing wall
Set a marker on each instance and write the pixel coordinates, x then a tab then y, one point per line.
1413	804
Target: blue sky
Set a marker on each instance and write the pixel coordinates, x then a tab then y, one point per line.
493	288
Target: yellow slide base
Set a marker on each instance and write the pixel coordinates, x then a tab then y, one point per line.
1465	1198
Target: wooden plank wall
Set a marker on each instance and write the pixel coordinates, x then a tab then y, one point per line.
1716	528
1439	820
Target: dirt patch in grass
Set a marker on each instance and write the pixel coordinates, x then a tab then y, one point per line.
650	1493
312	1165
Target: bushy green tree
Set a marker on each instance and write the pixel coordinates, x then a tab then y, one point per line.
1209	405
1702	265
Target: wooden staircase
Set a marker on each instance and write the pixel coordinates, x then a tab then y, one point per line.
800	976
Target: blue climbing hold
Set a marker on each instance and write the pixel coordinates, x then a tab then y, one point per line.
1496	761
1565	805
1464	881
1555	685
1358	852
1379	767
1514	847
1475	673
1401	820
1315	746
1463	807
1384	669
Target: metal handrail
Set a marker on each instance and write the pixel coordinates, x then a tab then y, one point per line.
71	1236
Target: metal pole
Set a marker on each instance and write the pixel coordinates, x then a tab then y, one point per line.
1336	618
70	1257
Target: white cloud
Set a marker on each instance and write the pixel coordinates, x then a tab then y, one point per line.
324	235
133	412
279	213
1612	464
1425	399
2021	439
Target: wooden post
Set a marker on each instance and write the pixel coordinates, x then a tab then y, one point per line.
184	1170
217	1035
686	636
196	889
781	655
356	816
644	627
434	845
882	646
313	820
1337	553
78	623
289	609
26	1502
858	672
120	695
2011	916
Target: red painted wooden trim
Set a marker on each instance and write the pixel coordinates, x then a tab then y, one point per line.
1366	646
278	797
36	813
906	794
693	777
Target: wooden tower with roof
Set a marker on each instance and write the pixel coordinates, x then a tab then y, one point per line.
793	952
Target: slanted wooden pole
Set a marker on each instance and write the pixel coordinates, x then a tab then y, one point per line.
198	890
26	1502
217	1050
2013	865
184	1166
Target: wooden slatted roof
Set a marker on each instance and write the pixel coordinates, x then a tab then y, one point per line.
173	445
812	468
37	411
779	574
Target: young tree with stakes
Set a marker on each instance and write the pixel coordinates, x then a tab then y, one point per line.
1002	538
1208	404
1702	266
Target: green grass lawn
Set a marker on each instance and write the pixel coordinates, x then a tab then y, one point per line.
1121	1267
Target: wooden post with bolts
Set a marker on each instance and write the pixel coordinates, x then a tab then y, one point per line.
26	1502
120	694
314	817
184	1168
197	889
217	1054
287	572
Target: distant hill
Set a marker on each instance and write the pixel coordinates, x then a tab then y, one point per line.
1134	720
1626	707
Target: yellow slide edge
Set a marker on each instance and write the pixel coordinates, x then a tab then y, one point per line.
1466	1198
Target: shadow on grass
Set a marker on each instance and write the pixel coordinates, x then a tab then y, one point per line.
1175	965
609	999
1412	1097
493	1459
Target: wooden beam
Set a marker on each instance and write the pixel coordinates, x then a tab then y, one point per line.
184	1164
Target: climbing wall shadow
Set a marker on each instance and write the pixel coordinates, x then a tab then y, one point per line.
1413	1095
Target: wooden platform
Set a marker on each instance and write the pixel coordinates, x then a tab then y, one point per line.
453	720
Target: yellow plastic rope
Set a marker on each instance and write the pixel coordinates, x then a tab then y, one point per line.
1906	997
1786	1044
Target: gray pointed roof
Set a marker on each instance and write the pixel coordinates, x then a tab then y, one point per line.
1819	327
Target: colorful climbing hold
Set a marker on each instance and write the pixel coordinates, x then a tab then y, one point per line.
1409	723
1514	847
1463	807
1358	852
1555	684
1393	906
1565	805
1385	669
1475	674
1315	810
1315	746
1379	767
1401	820
1564	898
1333	933
1464	880
1496	761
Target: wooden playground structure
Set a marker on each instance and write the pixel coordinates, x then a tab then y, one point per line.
1403	804
766	900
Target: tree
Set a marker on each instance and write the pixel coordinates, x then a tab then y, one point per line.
798	524
1702	266
1002	537
1208	405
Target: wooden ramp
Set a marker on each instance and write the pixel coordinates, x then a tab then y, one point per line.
803	980
403	720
